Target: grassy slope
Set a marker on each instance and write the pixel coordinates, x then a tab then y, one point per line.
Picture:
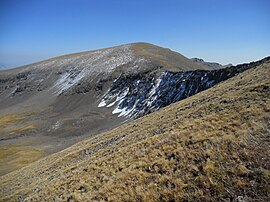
15	156
173	61
211	146
12	125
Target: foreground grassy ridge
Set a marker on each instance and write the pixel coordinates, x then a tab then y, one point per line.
213	146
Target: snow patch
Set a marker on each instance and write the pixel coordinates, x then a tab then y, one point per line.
55	126
111	104
122	94
154	89
122	112
102	103
67	80
117	110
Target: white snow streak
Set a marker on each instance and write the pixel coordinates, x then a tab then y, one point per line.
102	103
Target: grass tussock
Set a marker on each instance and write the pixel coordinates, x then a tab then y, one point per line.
213	146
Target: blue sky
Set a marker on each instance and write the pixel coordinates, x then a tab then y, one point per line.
225	31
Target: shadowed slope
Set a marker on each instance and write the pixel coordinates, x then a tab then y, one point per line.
211	146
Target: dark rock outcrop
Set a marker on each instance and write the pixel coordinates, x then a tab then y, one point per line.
141	94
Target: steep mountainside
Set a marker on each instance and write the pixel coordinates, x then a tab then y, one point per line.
139	94
213	146
47	106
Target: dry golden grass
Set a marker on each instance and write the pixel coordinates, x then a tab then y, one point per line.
165	57
213	146
12	125
15	156
9	119
23	128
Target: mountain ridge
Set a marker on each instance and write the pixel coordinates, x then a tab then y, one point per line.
137	47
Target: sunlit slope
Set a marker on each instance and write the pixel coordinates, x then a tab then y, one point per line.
165	57
211	146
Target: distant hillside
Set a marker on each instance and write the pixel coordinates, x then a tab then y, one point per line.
213	146
212	65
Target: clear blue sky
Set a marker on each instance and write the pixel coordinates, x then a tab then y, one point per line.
225	31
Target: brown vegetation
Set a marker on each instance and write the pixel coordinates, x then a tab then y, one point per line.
12	125
213	146
15	156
